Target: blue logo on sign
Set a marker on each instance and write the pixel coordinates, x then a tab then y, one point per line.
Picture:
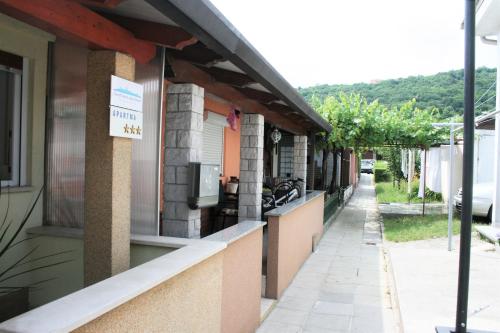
127	92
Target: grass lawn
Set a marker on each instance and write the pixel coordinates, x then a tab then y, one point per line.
387	193
410	228
381	165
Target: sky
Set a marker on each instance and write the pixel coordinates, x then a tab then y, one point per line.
347	41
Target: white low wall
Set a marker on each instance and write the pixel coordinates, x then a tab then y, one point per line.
68	277
180	291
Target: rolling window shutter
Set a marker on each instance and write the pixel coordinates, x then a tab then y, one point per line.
213	140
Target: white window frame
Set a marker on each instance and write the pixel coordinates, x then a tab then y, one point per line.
20	128
218	120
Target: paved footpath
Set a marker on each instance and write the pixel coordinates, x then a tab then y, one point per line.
426	276
343	286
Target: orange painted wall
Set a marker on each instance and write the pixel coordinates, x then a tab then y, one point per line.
231	139
290	243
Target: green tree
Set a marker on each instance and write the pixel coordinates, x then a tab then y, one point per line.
393	157
359	125
443	91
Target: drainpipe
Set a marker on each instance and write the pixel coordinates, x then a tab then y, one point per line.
495	214
489	41
468	165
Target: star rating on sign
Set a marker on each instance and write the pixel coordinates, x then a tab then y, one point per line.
132	129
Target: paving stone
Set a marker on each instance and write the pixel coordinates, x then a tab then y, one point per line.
275	327
374	323
335	297
341	309
294	291
328	321
296	303
287	316
426	278
341	287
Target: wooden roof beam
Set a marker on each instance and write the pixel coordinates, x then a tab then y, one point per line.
278	107
75	22
100	3
161	34
186	72
229	77
261	96
199	54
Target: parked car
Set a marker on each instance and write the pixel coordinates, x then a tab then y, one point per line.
482	200
367	166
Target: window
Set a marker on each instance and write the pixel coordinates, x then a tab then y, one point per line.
213	140
286	156
11	119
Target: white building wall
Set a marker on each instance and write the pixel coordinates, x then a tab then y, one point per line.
457	170
484	154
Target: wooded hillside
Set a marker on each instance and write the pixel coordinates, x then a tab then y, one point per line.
443	91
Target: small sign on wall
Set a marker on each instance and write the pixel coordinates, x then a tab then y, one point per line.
125	111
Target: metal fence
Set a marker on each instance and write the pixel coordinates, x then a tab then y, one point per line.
332	203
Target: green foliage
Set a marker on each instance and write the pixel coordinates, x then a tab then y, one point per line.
380	172
411	228
387	192
430	196
381	175
16	264
443	91
393	157
357	123
382	165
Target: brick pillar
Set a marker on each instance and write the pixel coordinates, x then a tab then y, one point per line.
300	159
183	144
251	167
108	165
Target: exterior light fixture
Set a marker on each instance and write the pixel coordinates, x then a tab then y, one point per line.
276	136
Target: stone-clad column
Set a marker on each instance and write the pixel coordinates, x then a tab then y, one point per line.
108	165
251	167
183	144
300	159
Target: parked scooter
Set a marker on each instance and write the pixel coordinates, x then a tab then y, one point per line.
283	193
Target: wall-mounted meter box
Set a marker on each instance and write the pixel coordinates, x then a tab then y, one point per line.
203	182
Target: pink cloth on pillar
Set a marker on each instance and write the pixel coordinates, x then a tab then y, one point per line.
232	120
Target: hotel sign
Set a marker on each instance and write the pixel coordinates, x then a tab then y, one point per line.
125	111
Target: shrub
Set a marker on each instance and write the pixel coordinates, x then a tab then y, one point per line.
381	165
381	175
429	195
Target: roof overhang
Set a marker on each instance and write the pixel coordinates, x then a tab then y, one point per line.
201	19
202	48
488	18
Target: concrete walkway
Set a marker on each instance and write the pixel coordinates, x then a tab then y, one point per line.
343	287
426	277
412	209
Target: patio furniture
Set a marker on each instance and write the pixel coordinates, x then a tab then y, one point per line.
226	211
